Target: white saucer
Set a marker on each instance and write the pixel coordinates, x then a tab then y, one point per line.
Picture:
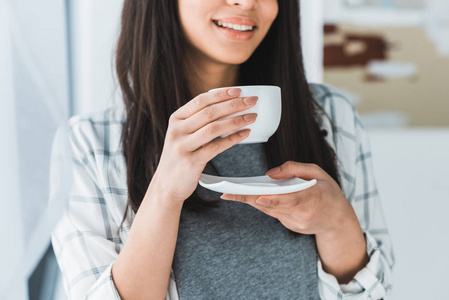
258	185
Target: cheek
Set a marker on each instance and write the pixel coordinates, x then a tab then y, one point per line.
272	11
197	32
192	15
268	15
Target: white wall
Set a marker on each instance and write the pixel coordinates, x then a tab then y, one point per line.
12	240
412	171
337	11
95	26
34	103
312	38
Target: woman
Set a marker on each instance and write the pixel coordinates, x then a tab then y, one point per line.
174	238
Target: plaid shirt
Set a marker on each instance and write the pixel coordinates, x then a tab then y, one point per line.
88	239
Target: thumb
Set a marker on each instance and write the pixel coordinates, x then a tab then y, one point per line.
296	169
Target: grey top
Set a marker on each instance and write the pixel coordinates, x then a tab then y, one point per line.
238	252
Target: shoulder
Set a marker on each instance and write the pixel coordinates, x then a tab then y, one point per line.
96	148
336	108
333	101
97	130
89	121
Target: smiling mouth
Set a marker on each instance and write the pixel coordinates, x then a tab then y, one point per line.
234	27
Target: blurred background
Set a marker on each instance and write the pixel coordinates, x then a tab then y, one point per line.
390	57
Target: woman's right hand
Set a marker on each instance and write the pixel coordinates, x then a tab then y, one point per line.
188	144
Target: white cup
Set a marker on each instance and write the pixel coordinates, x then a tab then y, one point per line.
268	109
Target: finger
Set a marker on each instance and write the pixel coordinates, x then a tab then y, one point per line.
274	213
305	171
293	215
251	200
257	202
239	198
291	218
279	213
212	149
265	203
205	135
268	208
205	99
283	201
217	111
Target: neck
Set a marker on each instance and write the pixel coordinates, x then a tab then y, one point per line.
205	74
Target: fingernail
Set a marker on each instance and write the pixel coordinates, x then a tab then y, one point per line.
244	132
250	100
263	201
273	171
228	197
250	117
234	92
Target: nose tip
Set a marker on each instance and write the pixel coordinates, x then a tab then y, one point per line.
246	4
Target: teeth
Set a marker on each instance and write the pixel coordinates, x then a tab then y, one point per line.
235	26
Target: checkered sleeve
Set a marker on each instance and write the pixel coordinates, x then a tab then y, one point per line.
86	240
375	280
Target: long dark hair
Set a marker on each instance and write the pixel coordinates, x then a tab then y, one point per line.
150	67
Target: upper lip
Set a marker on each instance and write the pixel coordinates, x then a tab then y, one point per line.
238	20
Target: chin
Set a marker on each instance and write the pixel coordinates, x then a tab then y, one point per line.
236	61
233	58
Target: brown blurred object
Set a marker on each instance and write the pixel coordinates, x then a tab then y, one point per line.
330	28
352	49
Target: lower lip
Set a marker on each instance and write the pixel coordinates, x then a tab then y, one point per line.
236	35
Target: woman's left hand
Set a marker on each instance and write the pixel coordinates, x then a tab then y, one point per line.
321	209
